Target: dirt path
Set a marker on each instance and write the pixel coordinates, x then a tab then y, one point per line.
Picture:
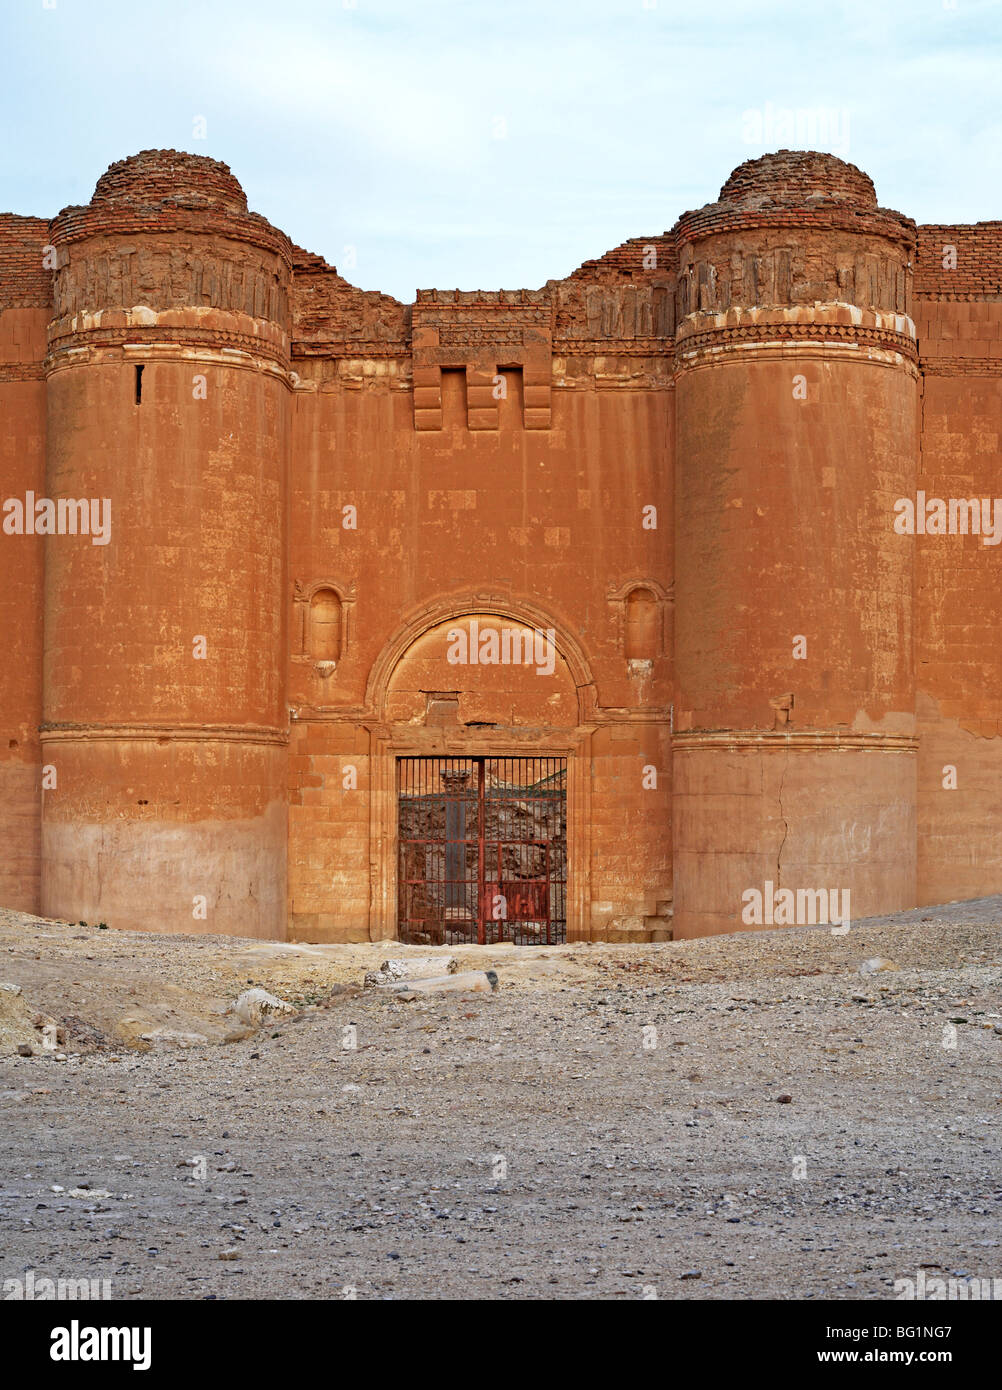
533	1143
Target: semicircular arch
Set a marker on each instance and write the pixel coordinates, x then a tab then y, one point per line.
465	605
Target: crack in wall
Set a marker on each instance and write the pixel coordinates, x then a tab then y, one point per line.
786	824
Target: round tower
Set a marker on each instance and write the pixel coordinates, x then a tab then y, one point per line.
794	714
165	716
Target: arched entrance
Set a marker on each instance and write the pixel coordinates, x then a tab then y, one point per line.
480	786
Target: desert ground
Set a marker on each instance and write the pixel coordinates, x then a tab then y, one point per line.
786	1114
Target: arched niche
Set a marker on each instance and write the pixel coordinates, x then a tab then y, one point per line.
321	623
325	634
642	639
639	607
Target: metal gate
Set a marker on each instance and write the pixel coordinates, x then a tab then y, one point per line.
483	850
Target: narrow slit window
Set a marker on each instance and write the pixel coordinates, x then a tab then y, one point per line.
139	385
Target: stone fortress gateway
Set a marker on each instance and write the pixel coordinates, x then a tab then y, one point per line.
267	692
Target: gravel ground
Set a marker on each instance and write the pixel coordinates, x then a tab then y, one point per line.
785	1127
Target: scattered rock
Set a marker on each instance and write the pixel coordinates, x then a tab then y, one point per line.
336	992
254	1005
875	964
413	968
477	981
170	1037
80	1032
17	1029
554	1047
239	1034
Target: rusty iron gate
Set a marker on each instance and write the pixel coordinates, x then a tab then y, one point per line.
483	850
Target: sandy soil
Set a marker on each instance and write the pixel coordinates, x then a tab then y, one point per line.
608	1124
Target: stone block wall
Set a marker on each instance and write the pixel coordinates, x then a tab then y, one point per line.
616	460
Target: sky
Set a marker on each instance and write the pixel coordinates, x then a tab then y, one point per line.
497	144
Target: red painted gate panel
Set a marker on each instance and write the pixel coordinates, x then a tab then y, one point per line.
483	850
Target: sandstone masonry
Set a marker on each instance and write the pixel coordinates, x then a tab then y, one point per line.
682	461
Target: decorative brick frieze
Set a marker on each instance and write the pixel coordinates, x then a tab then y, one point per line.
827	325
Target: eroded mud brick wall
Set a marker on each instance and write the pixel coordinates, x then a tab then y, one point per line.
958	591
797	430
165	704
680	465
25	310
481	460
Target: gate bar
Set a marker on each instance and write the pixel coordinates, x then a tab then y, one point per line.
481	894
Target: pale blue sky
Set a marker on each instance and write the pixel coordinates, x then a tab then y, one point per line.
498	143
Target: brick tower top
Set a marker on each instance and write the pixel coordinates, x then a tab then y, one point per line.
173	177
797	178
796	188
796	227
159	191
